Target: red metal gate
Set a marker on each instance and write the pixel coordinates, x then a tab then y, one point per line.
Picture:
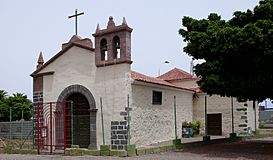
50	127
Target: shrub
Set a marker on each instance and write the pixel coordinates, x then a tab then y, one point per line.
186	124
195	125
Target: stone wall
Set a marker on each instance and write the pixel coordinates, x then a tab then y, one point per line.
243	113
155	123
16	130
119	135
37	96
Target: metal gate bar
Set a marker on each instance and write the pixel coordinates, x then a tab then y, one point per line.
64	111
51	132
50	127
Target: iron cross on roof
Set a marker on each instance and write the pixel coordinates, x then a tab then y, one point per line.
76	19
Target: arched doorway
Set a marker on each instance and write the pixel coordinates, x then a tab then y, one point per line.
78	121
84	116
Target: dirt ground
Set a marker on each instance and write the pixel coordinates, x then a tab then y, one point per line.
250	149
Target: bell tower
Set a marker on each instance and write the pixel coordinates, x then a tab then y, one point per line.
113	44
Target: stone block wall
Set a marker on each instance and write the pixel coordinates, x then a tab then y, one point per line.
243	113
119	135
120	131
37	96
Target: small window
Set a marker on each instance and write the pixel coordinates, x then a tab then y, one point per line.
116	47
157	97
104	51
105	58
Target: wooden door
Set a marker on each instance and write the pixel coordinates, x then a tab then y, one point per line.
214	124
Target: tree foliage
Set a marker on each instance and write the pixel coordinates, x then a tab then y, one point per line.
18	103
238	53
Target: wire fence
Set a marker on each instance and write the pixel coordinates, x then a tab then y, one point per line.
16	130
16	134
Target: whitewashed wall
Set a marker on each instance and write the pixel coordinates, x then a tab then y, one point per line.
112	83
155	123
189	83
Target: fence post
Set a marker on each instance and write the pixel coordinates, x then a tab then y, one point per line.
206	118
232	115
174	109
21	129
102	123
128	120
22	125
10	118
255	116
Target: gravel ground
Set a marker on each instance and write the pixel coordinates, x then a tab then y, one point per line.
257	149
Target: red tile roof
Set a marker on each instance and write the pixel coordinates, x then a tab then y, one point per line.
176	74
143	78
197	89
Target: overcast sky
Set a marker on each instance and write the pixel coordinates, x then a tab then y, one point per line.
30	26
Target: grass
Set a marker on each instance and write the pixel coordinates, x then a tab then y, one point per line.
9	145
263	133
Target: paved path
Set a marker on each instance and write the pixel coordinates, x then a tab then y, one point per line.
251	149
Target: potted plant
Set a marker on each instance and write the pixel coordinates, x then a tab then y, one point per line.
187	130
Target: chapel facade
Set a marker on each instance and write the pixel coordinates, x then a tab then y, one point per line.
114	105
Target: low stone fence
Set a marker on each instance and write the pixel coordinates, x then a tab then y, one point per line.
16	130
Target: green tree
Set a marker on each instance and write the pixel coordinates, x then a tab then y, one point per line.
3	95
238	53
4	108
20	105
